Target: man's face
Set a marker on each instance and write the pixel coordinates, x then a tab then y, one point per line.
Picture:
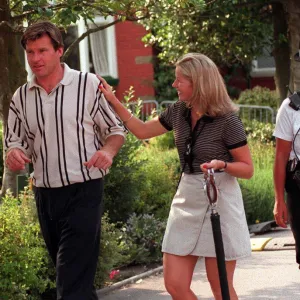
42	58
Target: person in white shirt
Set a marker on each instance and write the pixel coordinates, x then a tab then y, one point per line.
286	169
61	123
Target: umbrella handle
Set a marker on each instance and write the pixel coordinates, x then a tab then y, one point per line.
210	187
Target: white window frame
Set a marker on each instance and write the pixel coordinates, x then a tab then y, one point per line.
111	46
261	72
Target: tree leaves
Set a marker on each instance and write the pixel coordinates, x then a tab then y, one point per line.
228	31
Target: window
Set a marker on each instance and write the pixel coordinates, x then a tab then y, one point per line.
98	51
264	65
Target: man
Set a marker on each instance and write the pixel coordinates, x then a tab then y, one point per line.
287	168
63	124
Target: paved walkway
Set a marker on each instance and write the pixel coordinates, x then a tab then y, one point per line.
268	274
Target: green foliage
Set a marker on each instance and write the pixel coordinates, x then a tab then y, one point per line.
260	132
163	142
259	96
231	33
258	192
164	76
160	173
24	263
121	186
114	252
145	234
122	183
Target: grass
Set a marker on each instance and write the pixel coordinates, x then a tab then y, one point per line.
258	192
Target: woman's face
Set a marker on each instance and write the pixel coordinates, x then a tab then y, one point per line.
183	86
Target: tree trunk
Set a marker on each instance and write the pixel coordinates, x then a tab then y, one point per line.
293	10
11	76
281	50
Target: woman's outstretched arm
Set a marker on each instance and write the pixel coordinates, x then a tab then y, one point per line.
142	130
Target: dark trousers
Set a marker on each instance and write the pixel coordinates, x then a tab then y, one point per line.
70	219
293	205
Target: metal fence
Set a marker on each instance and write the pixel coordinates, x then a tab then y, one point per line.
264	114
148	108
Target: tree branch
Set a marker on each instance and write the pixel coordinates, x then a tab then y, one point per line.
98	28
85	34
16	5
16	30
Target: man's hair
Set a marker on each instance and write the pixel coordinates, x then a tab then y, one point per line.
37	30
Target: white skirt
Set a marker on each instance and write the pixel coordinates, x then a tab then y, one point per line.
189	230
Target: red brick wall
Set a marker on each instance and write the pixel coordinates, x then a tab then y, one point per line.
134	61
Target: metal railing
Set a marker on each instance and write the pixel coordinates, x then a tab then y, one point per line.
256	112
250	112
149	107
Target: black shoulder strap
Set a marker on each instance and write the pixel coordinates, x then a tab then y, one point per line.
295	101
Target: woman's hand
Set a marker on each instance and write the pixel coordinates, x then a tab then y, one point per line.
105	88
214	164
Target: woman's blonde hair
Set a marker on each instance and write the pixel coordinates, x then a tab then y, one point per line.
209	92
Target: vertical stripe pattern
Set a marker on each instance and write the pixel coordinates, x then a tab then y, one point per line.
62	129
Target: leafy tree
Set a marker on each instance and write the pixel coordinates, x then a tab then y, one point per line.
15	13
234	32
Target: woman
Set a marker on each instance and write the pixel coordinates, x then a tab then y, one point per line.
208	134
286	166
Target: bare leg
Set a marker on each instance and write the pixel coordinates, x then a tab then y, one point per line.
178	273
213	277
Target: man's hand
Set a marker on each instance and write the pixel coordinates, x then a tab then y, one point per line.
280	214
16	160
101	160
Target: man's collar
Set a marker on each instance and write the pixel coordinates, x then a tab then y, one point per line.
66	80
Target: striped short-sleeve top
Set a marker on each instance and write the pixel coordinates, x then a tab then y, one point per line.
213	137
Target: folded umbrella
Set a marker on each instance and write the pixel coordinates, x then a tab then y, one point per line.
212	196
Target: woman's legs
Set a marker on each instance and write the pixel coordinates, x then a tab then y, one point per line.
213	277
178	273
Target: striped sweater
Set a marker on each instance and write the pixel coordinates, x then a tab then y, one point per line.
61	130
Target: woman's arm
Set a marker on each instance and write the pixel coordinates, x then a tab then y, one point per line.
142	130
282	153
241	167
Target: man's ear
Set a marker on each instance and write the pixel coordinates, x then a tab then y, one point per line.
60	51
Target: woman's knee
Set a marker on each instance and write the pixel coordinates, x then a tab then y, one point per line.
176	285
178	272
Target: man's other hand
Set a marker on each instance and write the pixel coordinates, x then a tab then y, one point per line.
101	160
16	160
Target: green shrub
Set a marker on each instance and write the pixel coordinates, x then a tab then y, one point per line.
163	142
24	262
164	76
258	192
114	251
145	234
260	132
121	186
259	96
160	173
